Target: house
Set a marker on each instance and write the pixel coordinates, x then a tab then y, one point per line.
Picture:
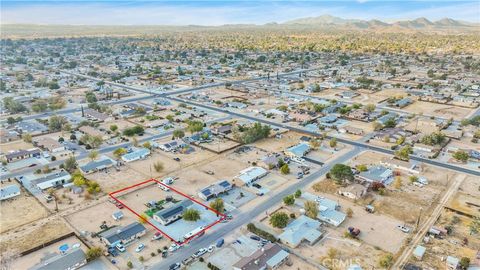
301	117
419	252
251	174
94	115
409	166
299	150
354	191
214	190
22	154
47	143
452	263
70	260
9	191
225	129
171	145
138	154
271	256
328	119
301	229
123	235
271	160
377	173
8	135
157	123
161	102
173	213
383	119
97	165
329	212
52	180
401	103
351	130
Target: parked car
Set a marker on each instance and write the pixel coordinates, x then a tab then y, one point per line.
119	205
120	247
256	185
259	193
48	198
157	236
220	242
299	175
211	248
209	172
187	261
200	252
175	266
140	248
254	237
176	159
403	228
173	247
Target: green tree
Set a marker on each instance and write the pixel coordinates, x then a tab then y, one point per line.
464	263
279	220
461	155
191	215
333	142
27	137
113	128
285	169
298	193
70	163
93	155
94	253
119	152
404	153
311	209
341	173
386	261
130	264
194	126
289	200
370	108
57	123
218	205
178	133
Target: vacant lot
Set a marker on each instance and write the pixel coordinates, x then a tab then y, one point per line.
20	210
439	110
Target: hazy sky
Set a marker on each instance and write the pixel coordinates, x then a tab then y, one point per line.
114	12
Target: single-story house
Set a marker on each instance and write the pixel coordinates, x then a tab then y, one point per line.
173	213
215	190
138	154
377	173
351	130
251	174
22	154
301	229
271	256
70	260
8	135
225	129
328	119
452	262
97	165
328	212
123	235
419	252
157	123
49	144
9	191
409	166
354	191
298	150
161	101
53	180
171	145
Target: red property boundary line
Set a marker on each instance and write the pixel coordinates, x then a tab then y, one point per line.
222	216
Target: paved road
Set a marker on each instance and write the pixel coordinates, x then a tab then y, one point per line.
244	217
342	140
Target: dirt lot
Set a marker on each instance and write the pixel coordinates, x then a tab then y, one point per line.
20	210
439	110
39	235
112	180
277	145
399	203
453	243
16	145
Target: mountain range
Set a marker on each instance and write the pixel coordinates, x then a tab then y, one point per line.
416	24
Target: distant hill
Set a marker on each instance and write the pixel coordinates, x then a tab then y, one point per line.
416	24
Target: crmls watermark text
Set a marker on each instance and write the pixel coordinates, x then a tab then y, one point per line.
339	263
